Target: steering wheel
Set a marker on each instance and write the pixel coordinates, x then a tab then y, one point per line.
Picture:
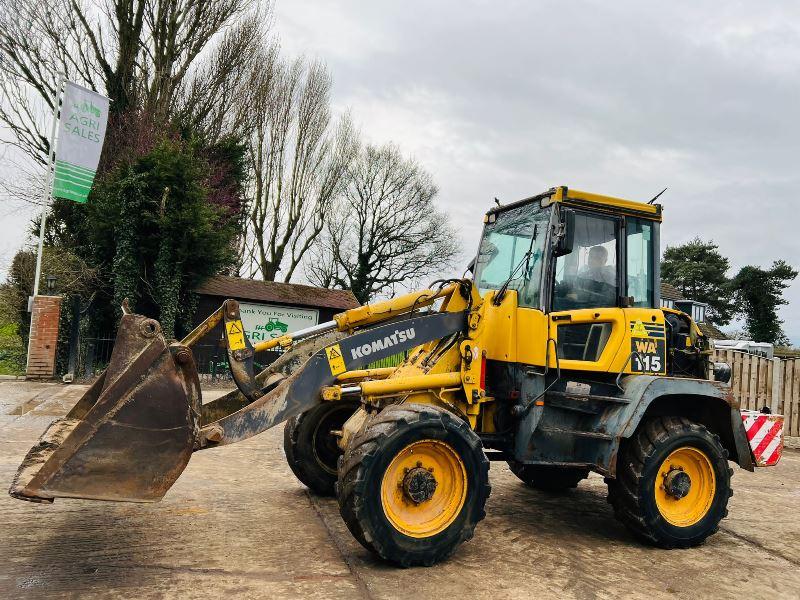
595	293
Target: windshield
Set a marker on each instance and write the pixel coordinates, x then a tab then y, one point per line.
512	250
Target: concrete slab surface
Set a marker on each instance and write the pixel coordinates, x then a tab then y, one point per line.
238	524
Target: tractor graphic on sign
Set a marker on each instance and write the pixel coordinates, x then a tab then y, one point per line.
275	324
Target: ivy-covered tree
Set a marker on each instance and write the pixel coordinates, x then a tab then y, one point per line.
699	271
759	293
156	228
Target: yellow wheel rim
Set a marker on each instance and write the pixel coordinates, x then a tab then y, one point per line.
424	488
685	487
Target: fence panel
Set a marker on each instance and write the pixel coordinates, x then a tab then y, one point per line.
788	390
757	382
795	386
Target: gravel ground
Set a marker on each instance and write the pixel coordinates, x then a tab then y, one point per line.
238	523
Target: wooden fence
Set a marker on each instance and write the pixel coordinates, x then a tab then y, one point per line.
774	382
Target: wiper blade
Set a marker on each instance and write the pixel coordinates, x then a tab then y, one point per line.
498	298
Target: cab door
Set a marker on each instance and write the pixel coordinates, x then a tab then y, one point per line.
586	321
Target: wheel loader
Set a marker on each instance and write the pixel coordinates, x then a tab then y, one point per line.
554	356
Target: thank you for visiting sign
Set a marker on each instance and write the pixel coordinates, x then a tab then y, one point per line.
81	131
265	321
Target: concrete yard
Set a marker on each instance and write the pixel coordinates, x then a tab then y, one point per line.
238	523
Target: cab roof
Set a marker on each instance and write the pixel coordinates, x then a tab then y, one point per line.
588	200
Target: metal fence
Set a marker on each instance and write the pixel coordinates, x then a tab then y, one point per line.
94	355
773	382
211	359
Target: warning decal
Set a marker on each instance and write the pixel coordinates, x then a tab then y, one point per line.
335	359
638	329
653	330
235	332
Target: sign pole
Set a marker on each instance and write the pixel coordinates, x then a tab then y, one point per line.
48	196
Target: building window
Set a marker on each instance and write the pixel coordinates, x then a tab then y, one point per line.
699	313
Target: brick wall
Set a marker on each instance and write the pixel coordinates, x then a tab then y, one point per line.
44	335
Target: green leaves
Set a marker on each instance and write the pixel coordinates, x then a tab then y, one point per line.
758	293
157	234
699	271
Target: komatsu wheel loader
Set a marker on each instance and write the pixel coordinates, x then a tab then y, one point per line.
555	356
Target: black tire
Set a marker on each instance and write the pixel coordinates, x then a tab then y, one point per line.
633	493
369	456
311	449
547	477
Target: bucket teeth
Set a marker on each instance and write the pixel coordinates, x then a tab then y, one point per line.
131	434
37	456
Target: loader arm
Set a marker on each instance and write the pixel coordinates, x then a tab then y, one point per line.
301	391
131	435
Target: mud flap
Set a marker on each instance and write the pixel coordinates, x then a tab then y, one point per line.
131	434
764	436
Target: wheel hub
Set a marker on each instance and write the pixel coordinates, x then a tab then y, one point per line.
419	484
685	487
424	488
677	483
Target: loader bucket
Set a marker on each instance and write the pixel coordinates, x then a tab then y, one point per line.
131	434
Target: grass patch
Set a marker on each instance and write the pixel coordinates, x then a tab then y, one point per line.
12	353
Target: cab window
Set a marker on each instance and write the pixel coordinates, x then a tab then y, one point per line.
587	276
640	264
511	252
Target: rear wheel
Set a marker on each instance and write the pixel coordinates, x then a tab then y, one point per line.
413	485
673	483
312	451
547	477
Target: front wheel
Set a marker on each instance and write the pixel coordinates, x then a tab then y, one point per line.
673	483
413	484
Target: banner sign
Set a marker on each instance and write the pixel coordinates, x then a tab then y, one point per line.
81	131
265	321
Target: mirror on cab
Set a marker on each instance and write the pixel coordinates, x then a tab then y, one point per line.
565	237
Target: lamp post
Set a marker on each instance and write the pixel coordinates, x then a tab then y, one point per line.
51	284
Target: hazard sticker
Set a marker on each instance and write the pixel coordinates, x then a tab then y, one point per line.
638	329
335	359
235	331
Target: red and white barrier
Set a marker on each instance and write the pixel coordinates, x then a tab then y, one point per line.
765	434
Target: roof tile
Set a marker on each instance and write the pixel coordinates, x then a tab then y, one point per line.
670	292
224	286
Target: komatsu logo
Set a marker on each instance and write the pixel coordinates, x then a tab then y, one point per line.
399	336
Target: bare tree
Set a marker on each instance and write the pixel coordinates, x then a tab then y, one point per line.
298	158
386	229
141	53
212	102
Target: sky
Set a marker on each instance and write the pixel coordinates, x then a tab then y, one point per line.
507	99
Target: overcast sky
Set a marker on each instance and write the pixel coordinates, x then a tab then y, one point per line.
507	99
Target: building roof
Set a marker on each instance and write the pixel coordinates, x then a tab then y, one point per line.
787	352
670	292
276	292
711	332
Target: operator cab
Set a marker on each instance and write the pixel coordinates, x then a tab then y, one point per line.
595	250
589	265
